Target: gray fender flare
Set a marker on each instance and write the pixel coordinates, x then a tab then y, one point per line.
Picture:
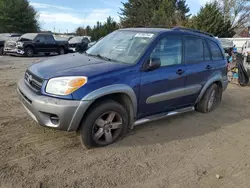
94	95
215	78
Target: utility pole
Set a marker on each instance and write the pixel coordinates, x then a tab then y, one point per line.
85	15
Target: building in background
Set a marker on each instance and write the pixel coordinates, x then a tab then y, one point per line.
242	32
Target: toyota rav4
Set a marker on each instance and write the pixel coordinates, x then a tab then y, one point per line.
131	76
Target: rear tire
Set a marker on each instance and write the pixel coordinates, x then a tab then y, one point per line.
61	51
105	118
210	99
29	52
1	50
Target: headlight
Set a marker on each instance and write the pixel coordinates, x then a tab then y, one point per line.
65	85
19	44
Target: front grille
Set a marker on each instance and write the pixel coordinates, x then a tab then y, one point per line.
33	81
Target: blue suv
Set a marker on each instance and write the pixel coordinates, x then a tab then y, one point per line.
131	76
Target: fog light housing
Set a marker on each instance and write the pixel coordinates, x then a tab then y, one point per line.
54	119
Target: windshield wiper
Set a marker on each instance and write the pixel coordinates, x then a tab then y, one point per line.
99	56
102	57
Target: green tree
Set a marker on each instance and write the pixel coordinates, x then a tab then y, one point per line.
210	19
165	15
18	16
182	10
88	30
154	13
80	31
138	12
101	30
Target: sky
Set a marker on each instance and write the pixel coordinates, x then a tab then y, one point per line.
67	15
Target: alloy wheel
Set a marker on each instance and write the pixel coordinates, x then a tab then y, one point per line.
61	51
212	99
29	52
107	128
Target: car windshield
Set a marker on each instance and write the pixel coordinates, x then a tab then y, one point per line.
121	46
28	36
76	40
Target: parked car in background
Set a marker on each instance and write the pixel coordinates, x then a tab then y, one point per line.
93	43
130	77
64	38
33	43
79	43
4	37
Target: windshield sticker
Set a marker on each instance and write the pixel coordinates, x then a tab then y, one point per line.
144	35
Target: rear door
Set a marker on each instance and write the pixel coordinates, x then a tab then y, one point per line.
51	45
40	43
218	62
162	89
198	66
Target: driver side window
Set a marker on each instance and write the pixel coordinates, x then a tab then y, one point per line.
40	38
168	50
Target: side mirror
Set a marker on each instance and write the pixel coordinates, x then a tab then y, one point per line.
38	40
154	63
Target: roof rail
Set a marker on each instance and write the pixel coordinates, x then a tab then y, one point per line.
193	30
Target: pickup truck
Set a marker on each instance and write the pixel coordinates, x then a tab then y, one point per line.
4	37
34	43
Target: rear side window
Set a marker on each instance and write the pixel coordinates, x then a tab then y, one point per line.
50	39
215	51
41	39
194	51
207	55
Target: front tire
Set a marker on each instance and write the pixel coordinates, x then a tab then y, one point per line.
211	98
106	123
29	52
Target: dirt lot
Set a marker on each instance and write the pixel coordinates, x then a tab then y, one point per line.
182	151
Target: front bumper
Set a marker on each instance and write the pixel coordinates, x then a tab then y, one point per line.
72	49
13	51
51	112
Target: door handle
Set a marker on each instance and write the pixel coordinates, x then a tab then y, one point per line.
180	71
208	67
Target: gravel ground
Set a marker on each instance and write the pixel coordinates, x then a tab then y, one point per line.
189	150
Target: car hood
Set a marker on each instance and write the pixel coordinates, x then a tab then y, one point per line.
73	65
